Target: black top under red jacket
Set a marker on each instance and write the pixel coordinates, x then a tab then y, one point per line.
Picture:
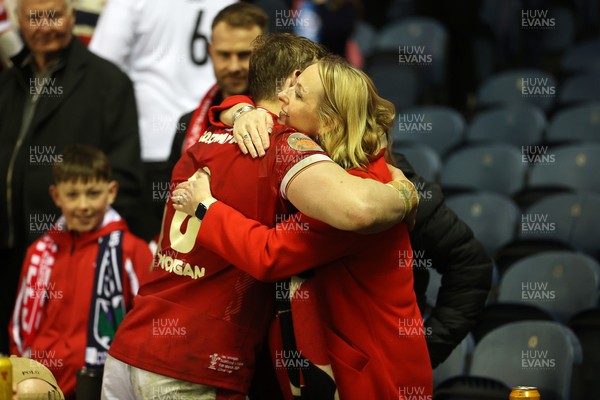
444	242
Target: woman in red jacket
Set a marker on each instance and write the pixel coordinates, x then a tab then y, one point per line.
357	330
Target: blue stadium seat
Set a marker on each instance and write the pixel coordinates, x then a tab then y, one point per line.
566	217
530	86
495	315
503	18
563	35
433	286
456	363
531	353
580	123
496	167
582	57
574	167
467	387
440	128
491	216
517	125
395	83
424	160
561	282
418	41
580	89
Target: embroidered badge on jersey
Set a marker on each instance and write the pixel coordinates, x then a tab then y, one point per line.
301	142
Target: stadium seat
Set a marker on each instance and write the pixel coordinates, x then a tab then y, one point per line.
491	216
471	388
395	83
435	281
400	9
580	123
496	167
582	57
418	42
531	353
573	166
503	19
561	282
424	160
566	217
495	315
517	125
563	35
530	86
580	88
440	128
523	247
456	363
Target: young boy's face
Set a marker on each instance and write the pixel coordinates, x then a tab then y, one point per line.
83	204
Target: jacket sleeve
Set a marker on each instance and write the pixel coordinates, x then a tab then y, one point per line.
445	242
137	260
270	254
176	147
214	111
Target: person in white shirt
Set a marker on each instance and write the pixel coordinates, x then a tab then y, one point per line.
163	46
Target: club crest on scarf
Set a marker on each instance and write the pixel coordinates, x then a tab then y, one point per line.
108	305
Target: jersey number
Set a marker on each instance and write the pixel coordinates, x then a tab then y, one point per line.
202	46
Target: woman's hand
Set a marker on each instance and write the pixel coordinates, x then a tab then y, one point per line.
251	131
408	193
187	195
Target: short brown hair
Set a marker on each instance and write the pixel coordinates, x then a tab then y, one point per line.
274	57
243	15
82	162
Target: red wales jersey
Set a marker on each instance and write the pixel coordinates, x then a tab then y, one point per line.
356	319
198	318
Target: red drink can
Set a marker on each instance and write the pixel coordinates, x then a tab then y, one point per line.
524	392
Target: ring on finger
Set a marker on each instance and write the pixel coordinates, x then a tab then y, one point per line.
246	136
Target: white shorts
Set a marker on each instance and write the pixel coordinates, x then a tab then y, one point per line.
123	382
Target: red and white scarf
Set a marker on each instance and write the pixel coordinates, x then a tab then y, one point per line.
199	121
33	293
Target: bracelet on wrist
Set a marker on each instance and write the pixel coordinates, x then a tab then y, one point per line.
241	111
407	193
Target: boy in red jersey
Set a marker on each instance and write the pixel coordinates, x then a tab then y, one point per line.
79	278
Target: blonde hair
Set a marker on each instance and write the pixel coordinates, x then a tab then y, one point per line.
353	118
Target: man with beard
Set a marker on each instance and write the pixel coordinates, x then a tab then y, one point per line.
233	31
